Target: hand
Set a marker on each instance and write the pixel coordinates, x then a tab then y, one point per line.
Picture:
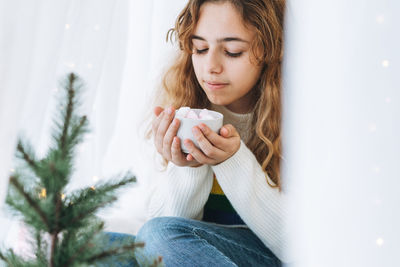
214	148
167	143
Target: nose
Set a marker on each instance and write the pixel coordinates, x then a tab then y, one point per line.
214	64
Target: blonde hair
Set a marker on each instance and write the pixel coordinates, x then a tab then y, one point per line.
181	88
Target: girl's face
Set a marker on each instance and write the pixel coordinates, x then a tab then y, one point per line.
221	57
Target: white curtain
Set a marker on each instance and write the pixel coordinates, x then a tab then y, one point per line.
342	131
118	48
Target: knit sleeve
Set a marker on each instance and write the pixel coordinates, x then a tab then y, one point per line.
259	205
180	191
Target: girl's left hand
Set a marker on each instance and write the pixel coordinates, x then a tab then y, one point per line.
214	148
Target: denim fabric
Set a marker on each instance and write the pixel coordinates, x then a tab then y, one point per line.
115	239
186	242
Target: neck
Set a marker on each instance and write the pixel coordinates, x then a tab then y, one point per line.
240	109
245	104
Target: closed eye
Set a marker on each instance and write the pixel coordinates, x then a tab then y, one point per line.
234	54
201	51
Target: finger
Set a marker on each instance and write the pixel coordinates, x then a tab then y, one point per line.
215	139
176	153
196	153
157	110
163	127
156	137
224	132
166	120
208	149
193	162
228	131
169	136
156	122
189	157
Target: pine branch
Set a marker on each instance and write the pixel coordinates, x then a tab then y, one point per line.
19	187
87	212
40	255
71	260
26	157
90	200
2	257
54	235
54	240
70	106
157	262
101	189
12	260
78	130
112	252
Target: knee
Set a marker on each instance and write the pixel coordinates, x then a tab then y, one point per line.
157	229
157	234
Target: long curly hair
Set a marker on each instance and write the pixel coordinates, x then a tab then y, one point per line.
180	87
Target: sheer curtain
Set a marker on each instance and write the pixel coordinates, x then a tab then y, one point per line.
118	48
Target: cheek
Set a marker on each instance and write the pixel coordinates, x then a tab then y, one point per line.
196	62
243	70
247	75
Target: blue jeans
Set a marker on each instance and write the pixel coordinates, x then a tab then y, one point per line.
186	242
116	240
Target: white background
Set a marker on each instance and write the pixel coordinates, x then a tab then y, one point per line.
342	131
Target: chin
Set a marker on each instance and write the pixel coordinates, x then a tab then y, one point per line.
218	99
219	102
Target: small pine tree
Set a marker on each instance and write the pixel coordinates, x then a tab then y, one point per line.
65	227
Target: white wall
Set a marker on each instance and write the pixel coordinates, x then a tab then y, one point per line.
341	127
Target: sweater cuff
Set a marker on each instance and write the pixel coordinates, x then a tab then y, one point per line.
186	188
235	160
184	173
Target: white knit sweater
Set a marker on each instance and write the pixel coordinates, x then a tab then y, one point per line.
183	191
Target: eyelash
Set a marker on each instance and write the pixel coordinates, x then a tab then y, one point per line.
202	51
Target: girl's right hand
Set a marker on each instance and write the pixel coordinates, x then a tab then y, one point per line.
164	129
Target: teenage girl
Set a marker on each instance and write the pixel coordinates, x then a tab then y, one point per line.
221	204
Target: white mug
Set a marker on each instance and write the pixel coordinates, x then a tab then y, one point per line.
186	125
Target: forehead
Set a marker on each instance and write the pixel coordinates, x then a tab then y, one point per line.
219	20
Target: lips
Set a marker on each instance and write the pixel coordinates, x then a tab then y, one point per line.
213	85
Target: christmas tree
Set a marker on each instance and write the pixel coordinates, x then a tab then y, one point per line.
64	226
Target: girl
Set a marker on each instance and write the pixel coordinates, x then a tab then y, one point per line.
221	204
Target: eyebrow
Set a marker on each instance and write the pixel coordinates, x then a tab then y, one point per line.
226	39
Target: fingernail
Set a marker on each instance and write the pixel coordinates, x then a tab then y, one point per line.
169	110
202	127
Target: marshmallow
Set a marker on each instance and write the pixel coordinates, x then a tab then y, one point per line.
192	115
207	117
186	112
204	114
182	112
